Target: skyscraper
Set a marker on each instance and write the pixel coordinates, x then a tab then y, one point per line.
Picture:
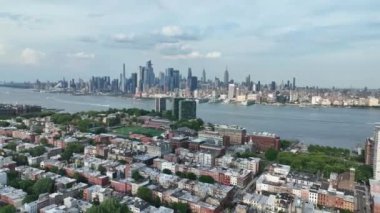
226	77
376	158
231	91
175	108
124	81
294	83
187	109
160	104
203	76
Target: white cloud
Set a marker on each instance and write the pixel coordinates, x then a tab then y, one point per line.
121	37
171	31
31	56
194	55
214	54
81	55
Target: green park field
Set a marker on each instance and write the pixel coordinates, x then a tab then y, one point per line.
138	130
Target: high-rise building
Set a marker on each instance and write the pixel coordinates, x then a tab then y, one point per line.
187	109
175	108
226	77
204	76
376	154
273	86
123	87
231	91
160	104
368	151
294	83
133	84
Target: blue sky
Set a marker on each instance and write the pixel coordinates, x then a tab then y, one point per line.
322	42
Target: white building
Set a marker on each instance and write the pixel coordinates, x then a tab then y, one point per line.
231	91
376	155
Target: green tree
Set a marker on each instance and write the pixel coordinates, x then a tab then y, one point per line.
180	207
167	171
191	176
136	176
30	198
11	146
271	154
4	124
102	169
7	209
111	205
206	179
145	194
43	185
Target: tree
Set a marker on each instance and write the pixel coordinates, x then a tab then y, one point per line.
271	154
145	194
167	171
11	146
180	207
43	185
44	141
206	179
111	205
4	124
30	198
102	169
180	174
136	176
7	209
191	176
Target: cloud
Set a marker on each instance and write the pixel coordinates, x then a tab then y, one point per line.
171	31
183	51
31	56
214	54
81	55
123	38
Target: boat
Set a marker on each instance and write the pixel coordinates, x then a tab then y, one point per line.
201	100
247	102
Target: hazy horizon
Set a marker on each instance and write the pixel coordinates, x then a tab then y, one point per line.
321	43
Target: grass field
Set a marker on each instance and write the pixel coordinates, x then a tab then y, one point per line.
138	130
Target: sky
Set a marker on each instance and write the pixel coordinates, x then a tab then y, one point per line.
322	43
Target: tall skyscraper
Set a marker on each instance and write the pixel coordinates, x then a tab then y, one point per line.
231	91
294	83
175	108
187	109
273	86
376	154
133	84
124	80
226	77
160	104
203	76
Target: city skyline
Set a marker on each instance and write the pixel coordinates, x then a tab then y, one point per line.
320	43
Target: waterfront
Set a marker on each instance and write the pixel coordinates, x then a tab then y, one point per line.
343	127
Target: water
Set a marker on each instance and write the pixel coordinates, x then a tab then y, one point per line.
340	127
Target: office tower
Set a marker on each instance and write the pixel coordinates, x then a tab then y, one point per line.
231	91
203	76
273	86
188	80
140	79
133	84
294	83
193	83
175	108
176	79
160	104
187	109
161	80
248	80
258	86
124	80
226	77
368	151
376	154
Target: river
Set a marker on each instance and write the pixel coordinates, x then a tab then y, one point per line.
341	127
